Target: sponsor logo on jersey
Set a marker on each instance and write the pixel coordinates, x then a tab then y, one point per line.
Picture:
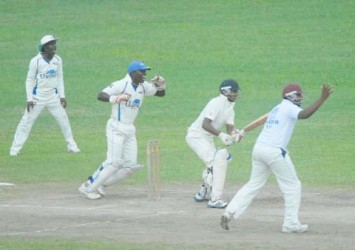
134	103
271	120
50	74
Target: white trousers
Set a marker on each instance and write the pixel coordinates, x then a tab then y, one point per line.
205	148
121	143
266	160
24	127
121	152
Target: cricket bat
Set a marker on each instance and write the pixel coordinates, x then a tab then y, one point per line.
256	123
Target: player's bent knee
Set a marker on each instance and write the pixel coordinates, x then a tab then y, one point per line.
117	163
135	168
222	154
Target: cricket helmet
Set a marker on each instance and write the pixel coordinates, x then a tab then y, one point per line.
229	88
293	92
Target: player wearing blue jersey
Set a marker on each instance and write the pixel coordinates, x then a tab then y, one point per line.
44	90
126	97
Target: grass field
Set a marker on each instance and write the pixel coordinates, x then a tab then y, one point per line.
194	45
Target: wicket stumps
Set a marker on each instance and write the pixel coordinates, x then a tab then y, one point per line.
153	163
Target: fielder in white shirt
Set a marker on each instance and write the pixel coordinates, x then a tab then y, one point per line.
270	155
218	113
126	97
44	90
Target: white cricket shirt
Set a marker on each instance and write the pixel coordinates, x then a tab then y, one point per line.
44	78
219	110
279	125
127	112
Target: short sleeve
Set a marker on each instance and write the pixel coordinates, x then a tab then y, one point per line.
294	111
211	110
115	88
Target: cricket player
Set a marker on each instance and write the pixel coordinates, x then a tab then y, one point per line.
126	98
270	154
44	90
219	112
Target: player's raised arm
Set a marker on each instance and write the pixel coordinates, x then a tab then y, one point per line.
160	84
310	110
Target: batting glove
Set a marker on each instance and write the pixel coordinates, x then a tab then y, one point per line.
238	135
159	82
119	98
226	139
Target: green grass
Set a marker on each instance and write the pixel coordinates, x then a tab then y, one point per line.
194	45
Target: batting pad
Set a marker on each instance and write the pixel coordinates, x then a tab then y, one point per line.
219	173
121	174
101	176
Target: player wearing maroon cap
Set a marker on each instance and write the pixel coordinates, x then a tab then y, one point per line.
270	155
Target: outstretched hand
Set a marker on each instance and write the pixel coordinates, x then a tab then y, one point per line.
327	90
311	109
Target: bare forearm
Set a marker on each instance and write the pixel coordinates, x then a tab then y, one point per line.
206	125
230	128
310	110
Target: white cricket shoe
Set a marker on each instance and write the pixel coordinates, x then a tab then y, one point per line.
13	153
90	195
216	204
101	191
301	228
203	195
73	149
224	222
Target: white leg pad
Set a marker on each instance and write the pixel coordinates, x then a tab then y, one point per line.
100	176
121	174
207	177
219	173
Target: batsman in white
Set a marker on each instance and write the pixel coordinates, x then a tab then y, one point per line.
126	97
44	89
219	112
270	154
